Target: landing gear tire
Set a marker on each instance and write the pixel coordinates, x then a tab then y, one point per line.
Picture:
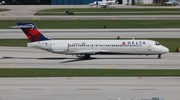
159	56
86	57
104	6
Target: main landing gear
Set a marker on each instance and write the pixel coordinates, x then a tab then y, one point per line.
159	56
86	56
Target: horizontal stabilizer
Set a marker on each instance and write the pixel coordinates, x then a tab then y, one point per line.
22	26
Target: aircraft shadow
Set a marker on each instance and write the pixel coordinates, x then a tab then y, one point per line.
50	58
59	58
73	59
93	58
78	59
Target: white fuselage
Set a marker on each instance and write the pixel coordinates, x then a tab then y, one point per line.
91	47
103	3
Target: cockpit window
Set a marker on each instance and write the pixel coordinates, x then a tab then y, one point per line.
157	43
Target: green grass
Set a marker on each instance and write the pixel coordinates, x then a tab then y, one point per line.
89	24
3	10
14	42
36	72
111	11
171	43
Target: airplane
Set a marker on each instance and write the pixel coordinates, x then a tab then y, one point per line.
172	2
103	3
86	48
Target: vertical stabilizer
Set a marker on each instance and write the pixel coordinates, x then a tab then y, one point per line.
32	32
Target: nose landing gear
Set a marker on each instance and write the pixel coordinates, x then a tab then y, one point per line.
159	56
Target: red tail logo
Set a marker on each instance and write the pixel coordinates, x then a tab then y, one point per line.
32	32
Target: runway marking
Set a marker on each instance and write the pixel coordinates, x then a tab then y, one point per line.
29	89
13	18
34	18
7	65
111	66
68	78
74	18
89	89
140	78
153	18
112	18
144	89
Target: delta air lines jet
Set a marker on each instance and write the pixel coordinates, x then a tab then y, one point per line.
85	48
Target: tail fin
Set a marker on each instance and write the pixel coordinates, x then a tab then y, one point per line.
32	32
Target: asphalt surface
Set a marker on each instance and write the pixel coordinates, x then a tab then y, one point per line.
90	88
97	33
85	88
23	57
26	12
123	17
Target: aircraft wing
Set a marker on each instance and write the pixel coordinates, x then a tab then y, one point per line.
92	4
82	52
103	4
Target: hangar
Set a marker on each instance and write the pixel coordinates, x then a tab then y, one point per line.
72	2
53	2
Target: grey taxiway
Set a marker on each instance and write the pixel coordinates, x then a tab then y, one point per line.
23	57
97	33
85	88
26	12
90	88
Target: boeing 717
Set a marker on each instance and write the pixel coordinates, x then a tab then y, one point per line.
86	48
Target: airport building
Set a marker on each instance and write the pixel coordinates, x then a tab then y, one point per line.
52	2
27	2
48	2
71	2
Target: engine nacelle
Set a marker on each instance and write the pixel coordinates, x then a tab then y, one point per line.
60	48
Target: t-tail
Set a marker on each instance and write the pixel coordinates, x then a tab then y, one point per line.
31	31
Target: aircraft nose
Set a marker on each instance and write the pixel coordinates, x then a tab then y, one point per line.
164	50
